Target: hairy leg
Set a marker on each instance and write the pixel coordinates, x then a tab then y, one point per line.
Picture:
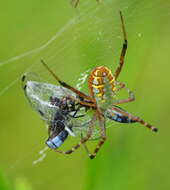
124	48
103	135
79	93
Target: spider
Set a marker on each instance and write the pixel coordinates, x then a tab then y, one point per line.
76	2
103	85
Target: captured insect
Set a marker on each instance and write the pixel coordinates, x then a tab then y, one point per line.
56	106
69	111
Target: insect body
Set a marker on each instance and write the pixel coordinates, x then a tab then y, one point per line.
58	127
57	132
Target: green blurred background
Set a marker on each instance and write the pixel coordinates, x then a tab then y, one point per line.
89	36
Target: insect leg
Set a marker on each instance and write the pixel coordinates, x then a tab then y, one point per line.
124	48
135	119
76	116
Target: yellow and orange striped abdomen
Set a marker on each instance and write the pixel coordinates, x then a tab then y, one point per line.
97	81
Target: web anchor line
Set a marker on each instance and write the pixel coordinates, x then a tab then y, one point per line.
42	47
43	155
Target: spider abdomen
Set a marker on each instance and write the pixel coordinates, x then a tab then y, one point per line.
101	80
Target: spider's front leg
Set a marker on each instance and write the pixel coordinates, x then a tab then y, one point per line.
64	84
75	2
124	48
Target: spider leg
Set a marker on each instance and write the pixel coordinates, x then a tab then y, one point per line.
131	94
84	103
81	94
103	135
124	48
83	140
85	147
132	118
75	3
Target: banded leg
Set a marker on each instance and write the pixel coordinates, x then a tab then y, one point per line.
75	3
83	140
135	119
124	48
81	94
103	136
84	103
85	147
131	94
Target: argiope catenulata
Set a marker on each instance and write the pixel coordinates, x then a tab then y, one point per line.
102	86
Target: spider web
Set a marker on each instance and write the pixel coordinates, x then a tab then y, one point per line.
61	46
89	36
55	51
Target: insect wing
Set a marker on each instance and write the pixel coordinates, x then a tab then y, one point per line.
39	95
